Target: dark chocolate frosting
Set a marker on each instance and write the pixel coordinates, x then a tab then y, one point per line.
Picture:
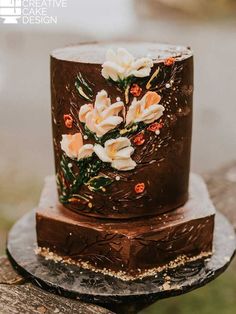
129	246
159	182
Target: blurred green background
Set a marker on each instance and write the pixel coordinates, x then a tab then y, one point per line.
218	297
209	27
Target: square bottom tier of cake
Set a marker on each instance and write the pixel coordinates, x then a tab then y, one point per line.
127	249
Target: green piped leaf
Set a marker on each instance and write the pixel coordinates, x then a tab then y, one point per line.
132	129
83	88
68	174
99	183
123	84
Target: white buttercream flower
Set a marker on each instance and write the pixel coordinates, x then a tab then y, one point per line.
73	146
146	109
117	152
103	116
122	64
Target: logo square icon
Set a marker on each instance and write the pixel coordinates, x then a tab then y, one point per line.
10	11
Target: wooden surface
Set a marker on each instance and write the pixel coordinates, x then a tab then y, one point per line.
19	296
222	189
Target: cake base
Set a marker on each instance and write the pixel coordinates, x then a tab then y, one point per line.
127	249
111	292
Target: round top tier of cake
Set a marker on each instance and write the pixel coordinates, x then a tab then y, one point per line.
122	124
95	53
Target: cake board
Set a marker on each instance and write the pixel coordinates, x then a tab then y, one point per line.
110	292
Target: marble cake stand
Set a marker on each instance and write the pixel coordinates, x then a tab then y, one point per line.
109	292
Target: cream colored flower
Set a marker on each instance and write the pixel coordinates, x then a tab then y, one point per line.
103	116
146	110
73	146
117	152
122	64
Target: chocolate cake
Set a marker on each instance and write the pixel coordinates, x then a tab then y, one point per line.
122	125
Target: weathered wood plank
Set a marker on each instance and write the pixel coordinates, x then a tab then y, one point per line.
7	273
18	297
29	299
222	189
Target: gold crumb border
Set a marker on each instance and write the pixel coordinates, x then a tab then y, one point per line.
179	261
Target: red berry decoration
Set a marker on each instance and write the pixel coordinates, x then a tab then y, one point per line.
135	90
139	188
68	120
169	61
155	127
139	139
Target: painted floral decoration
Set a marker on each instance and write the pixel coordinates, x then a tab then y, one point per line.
117	152
107	138
121	66
73	146
103	116
146	110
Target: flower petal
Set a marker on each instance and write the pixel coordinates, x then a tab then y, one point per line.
106	125
101	153
83	111
142	63
123	164
152	113
142	67
151	98
111	122
85	151
124	153
113	110
71	144
133	111
116	144
112	70
141	73
124	57
75	143
64	144
90	121
102	101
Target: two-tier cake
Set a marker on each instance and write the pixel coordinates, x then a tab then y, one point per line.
122	124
